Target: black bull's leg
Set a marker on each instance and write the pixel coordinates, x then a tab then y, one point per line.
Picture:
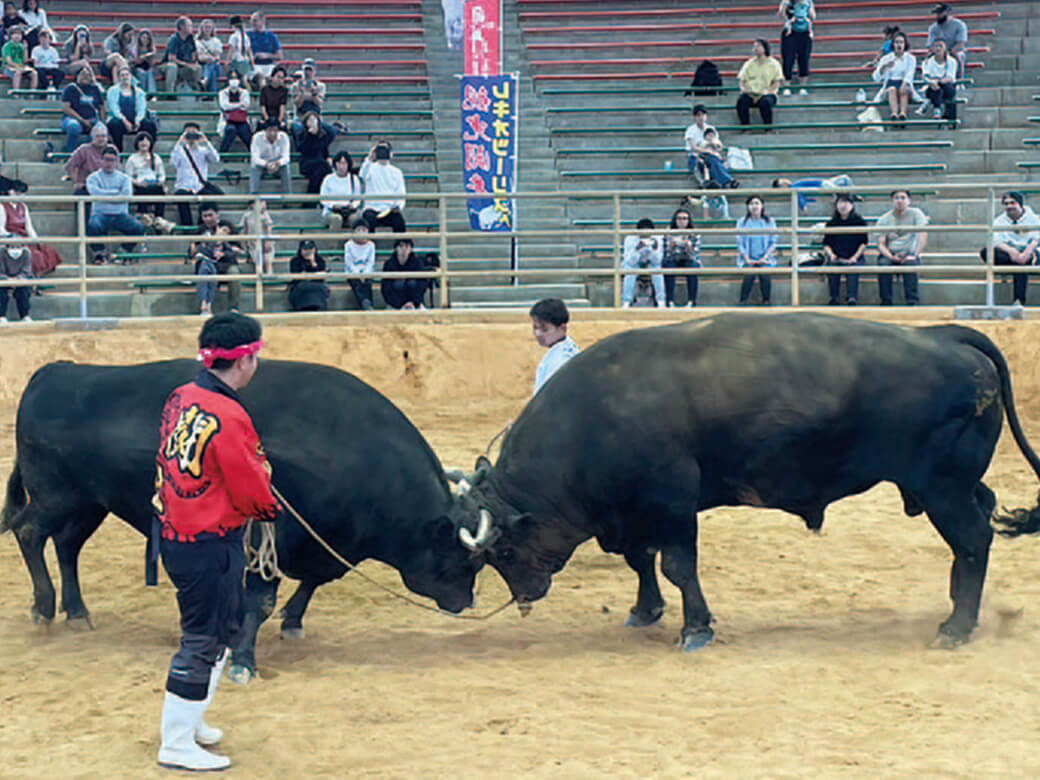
260	601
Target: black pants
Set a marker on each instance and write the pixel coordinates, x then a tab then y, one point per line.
851	284
21	300
157	207
315	172
362	292
184	208
398	292
117	130
208	576
795	45
50	77
86	204
944	97
241	130
764	105
765	284
395	220
692	281
1020	282
910	292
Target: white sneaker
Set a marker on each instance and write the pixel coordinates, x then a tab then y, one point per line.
26	318
937	113
624	305
803	91
661	305
3	320
921	109
178	749
786	92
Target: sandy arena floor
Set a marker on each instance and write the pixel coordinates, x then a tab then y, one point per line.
820	668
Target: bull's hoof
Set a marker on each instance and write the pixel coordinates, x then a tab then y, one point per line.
79	623
39	618
695	640
638	619
240	675
292	633
948	641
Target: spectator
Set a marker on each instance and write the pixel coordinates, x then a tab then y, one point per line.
218	255
210	51
1012	246
951	30
308	294
759	79
796	40
839	182
46	62
15	220
549	318
240	51
259	225
181	61
642	252
86	159
145	61
313	145
308	96
756	248
15	263
108	216
148	175
895	72
343	188
269	153
234	114
11	17
78	51
120	46
845	248
359	257
682	250
386	182
14	55
209	220
127	109
403	292
900	245
267	49
888	34
83	107
710	155
35	22
191	157
940	78
274	97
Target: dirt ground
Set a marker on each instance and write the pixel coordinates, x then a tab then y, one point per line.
821	666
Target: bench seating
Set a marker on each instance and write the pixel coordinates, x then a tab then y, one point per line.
809	167
917	124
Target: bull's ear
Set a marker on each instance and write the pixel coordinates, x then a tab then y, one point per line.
483	465
443	531
520	523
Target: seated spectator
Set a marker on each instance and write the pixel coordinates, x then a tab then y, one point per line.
191	157
234	114
78	51
308	294
796	40
308	96
262	225
83	105
953	32
833	183
642	252
45	60
218	255
15	220
86	159
359	257
15	263
35	23
181	60
386	182
313	145
14	54
240	51
402	292
209	221
756	248
211	54
940	79
145	61
759	80
274	99
699	150
901	245
267	49
343	189
269	153
109	216
1012	246
888	33
11	17
845	248
895	72
682	250
127	109
120	46
148	175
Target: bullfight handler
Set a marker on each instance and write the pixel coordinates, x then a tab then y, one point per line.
212	475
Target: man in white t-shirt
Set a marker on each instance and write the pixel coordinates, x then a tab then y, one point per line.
698	149
384	180
549	318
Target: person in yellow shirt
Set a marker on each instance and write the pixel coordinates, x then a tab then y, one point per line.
759	79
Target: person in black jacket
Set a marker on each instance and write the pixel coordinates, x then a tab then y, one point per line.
845	248
400	292
313	145
308	294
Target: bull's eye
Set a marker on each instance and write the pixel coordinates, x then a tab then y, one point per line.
504	555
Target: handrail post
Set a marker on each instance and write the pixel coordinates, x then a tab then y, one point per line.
990	254
795	298
617	250
259	264
81	247
442	226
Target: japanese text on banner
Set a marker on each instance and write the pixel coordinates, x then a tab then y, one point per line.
489	118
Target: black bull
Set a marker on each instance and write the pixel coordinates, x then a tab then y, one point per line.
344	456
634	436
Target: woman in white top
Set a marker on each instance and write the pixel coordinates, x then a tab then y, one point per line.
35	21
940	76
359	257
148	173
341	194
895	72
210	52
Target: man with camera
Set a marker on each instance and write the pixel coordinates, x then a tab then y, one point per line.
646	252
308	95
386	182
269	153
191	157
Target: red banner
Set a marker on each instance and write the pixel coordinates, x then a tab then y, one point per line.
482	20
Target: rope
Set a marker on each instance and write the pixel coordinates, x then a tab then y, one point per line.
499	435
352	568
262	560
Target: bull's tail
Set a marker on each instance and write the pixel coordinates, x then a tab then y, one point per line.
16	500
1014	522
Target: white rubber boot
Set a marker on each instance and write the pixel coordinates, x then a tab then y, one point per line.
178	750
204	733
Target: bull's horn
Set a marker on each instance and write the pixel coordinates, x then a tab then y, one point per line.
464	486
474	544
455	475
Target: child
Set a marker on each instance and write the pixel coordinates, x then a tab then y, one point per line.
247	224
359	257
46	63
549	318
14	54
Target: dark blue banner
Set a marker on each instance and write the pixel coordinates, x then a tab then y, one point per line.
489	113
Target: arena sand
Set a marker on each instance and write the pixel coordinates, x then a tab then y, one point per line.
820	669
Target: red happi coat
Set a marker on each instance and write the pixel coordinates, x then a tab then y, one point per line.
211	470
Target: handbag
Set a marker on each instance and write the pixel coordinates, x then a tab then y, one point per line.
739	159
207	187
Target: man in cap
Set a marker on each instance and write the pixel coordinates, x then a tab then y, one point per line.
1016	239
953	31
308	95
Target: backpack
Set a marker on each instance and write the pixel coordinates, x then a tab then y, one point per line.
706	75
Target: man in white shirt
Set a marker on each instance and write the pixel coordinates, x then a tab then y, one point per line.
1013	246
698	150
269	153
549	318
386	182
